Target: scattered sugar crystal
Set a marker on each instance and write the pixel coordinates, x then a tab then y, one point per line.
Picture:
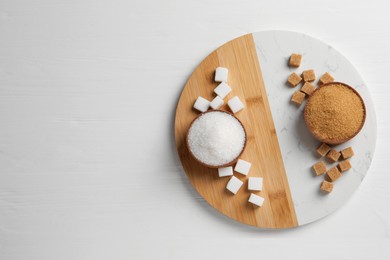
256	200
216	103
235	104
222	90
255	183
242	167
234	184
216	138
201	104
225	171
221	74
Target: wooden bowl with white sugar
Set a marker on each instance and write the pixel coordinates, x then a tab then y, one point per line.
216	139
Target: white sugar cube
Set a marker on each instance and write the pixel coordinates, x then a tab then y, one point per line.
255	183
222	90
225	171
255	199
216	103
235	104
201	104
242	167
221	74
234	184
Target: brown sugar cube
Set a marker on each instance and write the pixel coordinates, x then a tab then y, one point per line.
295	60
294	79
344	166
298	97
308	75
333	155
326	78
327	186
308	88
323	149
347	153
333	173
319	168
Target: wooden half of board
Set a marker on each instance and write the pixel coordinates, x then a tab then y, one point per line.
262	150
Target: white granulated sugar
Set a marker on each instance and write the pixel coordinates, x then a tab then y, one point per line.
216	138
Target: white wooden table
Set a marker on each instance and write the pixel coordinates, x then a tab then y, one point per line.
88	165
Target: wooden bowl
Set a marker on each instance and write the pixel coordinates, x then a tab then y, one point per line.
222	165
340	140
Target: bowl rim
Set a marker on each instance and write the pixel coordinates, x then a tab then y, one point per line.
222	165
340	140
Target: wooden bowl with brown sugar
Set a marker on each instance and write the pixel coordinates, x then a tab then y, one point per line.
335	113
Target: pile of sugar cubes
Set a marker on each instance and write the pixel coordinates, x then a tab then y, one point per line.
221	91
332	156
324	150
234	184
255	184
307	78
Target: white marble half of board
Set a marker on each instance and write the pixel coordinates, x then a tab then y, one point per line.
297	145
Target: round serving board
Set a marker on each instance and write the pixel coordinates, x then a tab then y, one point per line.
279	146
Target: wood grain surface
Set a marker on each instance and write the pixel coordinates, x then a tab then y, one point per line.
239	56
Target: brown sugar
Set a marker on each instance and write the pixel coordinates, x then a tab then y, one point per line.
333	155
347	153
327	186
323	149
326	78
334	113
294	79
298	97
319	168
308	88
344	166
295	60
308	75
333	174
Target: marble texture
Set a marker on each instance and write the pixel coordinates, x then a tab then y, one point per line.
297	144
